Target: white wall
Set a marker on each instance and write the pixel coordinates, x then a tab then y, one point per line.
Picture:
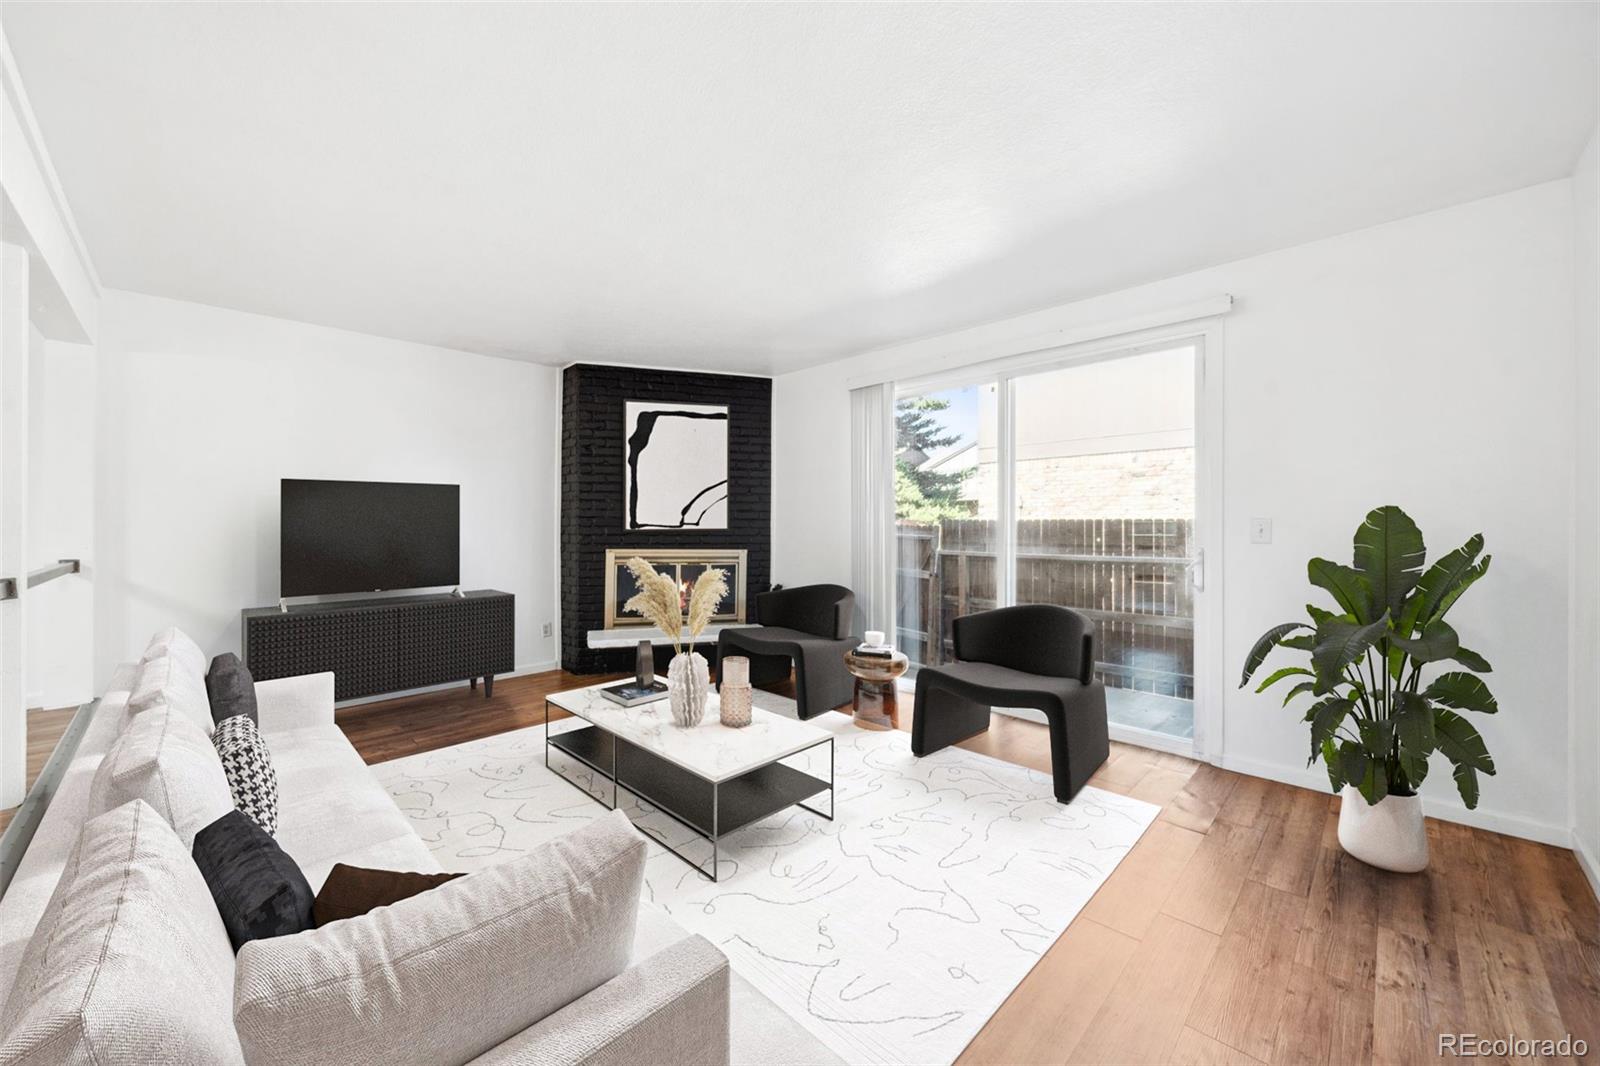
61	393
201	411
1585	765
1426	363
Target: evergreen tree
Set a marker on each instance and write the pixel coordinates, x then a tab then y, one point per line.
924	495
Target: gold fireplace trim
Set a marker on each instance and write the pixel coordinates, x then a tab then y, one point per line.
737	559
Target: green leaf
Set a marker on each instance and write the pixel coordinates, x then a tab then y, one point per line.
1325	719
1362	771
1304	686
1318	615
1454	594
1377	734
1389	551
1280	674
1466	784
1446	573
1459	742
1351	591
1413	728
1473	661
1269	640
1406	622
1339	644
1301	643
1463	691
1330	758
1438	641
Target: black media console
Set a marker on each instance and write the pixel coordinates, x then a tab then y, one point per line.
385	645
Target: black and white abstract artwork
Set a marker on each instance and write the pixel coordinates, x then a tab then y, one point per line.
677	456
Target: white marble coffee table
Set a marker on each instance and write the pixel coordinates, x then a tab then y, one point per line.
712	779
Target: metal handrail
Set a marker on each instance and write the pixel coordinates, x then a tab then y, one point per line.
62	567
19	834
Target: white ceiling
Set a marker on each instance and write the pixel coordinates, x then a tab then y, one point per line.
764	187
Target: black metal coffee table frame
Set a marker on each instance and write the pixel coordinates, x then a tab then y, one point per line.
710	809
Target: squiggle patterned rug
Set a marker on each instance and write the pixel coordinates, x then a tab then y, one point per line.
892	933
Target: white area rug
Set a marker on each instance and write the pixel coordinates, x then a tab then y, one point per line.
892	933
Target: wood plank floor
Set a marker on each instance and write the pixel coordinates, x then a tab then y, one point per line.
1236	931
44	729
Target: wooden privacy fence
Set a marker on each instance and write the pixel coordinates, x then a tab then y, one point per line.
1128	574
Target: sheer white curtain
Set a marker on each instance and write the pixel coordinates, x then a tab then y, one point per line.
872	541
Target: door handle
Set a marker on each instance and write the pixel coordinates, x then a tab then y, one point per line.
1196	569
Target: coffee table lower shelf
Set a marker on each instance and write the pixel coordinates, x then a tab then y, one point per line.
711	809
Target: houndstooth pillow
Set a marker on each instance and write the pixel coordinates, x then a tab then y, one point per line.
248	766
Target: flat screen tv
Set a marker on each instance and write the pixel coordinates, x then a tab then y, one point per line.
368	536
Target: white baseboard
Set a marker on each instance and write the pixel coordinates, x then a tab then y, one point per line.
1588	861
520	671
1444	810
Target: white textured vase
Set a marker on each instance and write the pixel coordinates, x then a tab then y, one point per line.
1388	835
688	678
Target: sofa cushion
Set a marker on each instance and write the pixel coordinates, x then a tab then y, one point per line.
330	806
449	974
351	891
167	681
130	962
258	889
174	642
163	758
230	688
247	764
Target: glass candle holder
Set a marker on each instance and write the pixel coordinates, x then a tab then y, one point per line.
734	692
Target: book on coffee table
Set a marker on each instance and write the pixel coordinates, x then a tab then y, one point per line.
876	651
632	694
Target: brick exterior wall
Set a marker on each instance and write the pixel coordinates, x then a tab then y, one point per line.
593	485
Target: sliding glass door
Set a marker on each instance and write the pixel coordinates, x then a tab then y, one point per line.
945	515
1071	483
1105	517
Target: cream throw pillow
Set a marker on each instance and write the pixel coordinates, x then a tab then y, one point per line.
167	681
130	962
444	976
178	644
163	758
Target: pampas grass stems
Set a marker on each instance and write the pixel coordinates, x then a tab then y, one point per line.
658	601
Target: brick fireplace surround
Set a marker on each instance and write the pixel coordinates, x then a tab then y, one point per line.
592	472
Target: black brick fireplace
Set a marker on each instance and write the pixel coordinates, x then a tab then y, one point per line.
592	489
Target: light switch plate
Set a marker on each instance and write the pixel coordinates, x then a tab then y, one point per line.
1260	531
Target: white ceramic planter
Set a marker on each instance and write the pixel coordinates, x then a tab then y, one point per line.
688	677
1389	835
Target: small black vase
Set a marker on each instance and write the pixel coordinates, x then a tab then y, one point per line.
644	663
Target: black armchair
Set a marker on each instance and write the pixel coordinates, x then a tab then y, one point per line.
808	626
1037	656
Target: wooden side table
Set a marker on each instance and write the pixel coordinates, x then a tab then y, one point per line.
877	702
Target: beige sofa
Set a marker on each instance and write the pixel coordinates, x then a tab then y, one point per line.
669	1002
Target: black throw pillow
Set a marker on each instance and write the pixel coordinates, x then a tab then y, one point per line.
230	688
259	890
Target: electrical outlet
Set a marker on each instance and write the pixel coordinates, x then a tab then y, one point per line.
1260	531
547	629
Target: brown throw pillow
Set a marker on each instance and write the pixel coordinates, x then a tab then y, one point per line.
351	891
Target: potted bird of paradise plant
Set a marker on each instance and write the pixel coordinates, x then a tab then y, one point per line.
1375	718
660	600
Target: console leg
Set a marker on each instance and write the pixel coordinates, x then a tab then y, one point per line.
488	685
472	683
